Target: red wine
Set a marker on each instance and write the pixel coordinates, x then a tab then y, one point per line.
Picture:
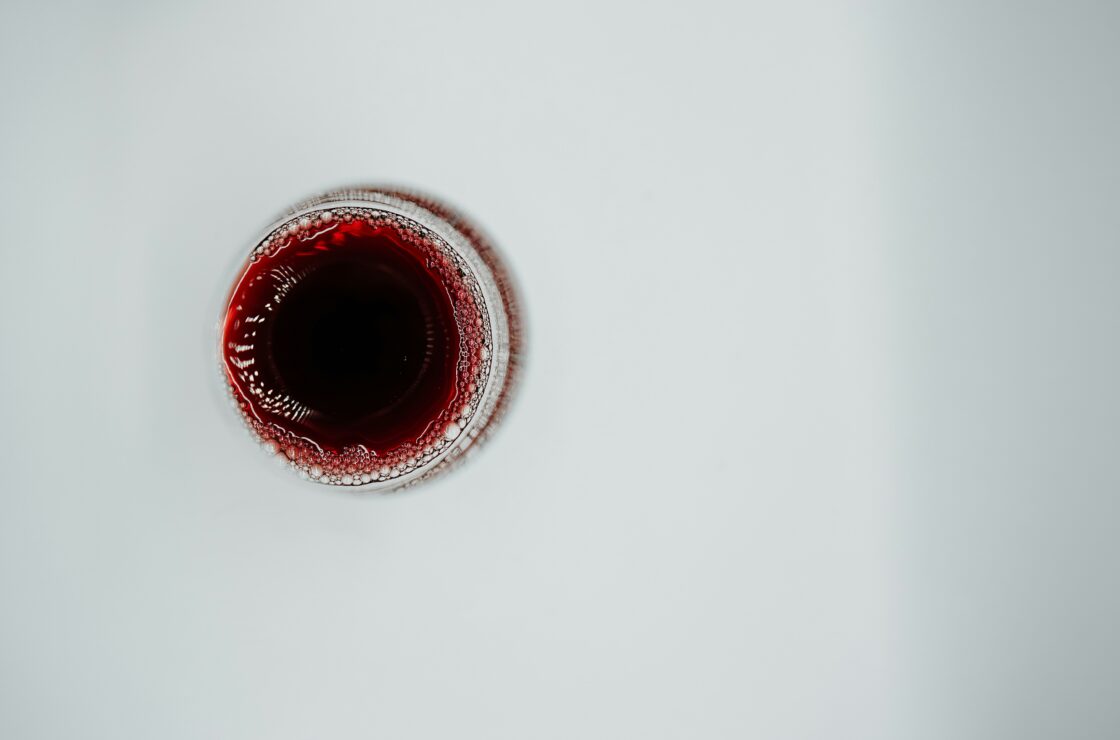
360	343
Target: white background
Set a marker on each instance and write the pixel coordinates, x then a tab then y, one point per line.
818	438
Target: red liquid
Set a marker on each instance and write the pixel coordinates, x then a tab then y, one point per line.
354	343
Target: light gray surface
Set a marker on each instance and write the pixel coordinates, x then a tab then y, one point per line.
818	437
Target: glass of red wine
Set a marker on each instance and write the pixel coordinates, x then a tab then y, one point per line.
371	338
